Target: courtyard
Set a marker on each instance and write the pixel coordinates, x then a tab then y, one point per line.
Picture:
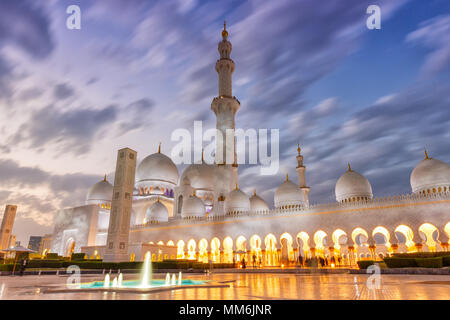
248	286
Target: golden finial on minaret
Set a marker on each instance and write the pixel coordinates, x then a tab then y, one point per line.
298	148
202	155
224	31
104	179
237	187
254	192
159	148
349	168
287	176
426	155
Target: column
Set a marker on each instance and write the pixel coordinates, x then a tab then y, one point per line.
120	214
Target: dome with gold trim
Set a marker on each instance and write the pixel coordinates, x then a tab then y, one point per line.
100	193
353	186
288	195
430	176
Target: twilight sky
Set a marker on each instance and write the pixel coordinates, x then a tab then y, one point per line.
139	69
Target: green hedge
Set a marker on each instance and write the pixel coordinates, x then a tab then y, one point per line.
99	264
422	254
7	267
429	262
52	256
77	256
363	264
446	261
37	263
400	262
436	262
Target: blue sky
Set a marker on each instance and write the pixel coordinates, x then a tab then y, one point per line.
137	70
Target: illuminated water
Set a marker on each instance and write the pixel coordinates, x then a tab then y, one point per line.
137	283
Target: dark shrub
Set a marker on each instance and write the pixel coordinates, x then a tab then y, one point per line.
363	264
7	267
400	262
78	256
421	254
52	256
429	262
446	261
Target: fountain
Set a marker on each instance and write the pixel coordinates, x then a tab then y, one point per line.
168	279
120	281
145	282
147	271
106	281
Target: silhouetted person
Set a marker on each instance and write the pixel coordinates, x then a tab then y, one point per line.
260	262
254	260
300	260
321	261
243	263
23	265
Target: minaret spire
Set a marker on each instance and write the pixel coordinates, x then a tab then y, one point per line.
225	106
224	31
301	175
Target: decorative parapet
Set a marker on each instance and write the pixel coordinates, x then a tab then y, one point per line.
312	208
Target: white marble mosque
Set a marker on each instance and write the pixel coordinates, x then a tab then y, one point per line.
203	215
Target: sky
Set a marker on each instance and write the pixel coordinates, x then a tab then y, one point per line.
138	69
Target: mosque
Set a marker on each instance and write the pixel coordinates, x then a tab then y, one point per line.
203	215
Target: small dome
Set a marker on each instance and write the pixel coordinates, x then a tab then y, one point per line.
430	174
257	204
200	176
157	212
193	207
100	192
288	194
157	167
237	202
353	186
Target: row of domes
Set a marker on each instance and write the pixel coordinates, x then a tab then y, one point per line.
430	175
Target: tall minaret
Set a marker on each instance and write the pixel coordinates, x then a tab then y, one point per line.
120	214
301	175
7	226
225	107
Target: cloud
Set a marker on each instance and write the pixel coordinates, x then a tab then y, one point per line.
26	25
72	131
139	113
63	91
434	34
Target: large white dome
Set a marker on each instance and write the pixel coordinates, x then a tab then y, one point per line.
158	167
157	212
201	176
100	192
237	202
430	176
193	207
257	204
288	194
353	186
